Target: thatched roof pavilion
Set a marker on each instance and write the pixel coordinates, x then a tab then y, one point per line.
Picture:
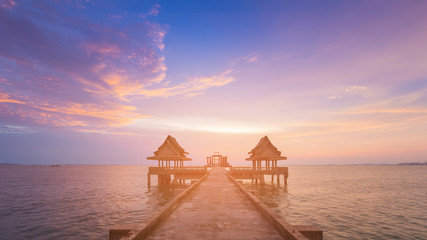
265	151
169	151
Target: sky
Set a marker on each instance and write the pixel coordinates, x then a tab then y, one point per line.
105	82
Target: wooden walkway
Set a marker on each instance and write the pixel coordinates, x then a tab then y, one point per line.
216	209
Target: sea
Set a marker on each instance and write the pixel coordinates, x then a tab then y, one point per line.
83	202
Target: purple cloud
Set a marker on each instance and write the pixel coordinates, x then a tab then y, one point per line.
62	64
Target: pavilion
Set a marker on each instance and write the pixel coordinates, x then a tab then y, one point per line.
266	152
170	151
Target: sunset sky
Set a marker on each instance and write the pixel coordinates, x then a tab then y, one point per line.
98	82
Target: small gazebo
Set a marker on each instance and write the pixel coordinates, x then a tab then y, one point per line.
170	151
217	160
265	151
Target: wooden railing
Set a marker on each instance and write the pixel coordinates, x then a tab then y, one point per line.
175	168
262	169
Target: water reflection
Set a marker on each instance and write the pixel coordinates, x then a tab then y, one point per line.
352	202
271	194
70	202
160	195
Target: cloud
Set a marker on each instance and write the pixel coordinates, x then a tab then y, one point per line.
409	103
66	67
70	68
251	58
355	88
32	111
201	124
14	129
155	10
7	4
192	87
334	97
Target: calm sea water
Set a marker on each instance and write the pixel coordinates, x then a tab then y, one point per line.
353	202
82	202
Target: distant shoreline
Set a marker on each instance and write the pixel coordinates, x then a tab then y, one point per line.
413	163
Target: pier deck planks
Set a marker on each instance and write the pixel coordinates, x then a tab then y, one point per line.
216	209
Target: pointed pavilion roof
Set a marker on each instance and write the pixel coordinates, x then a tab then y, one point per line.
170	150
265	150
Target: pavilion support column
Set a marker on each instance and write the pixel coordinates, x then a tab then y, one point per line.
272	177
149	180
261	179
278	179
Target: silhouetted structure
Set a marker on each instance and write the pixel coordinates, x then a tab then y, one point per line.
215	207
265	152
171	152
217	160
209	206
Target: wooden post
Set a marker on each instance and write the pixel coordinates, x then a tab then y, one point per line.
148	180
278	179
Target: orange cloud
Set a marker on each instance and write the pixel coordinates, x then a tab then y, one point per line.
5	98
69	114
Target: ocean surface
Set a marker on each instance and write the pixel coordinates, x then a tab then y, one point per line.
83	202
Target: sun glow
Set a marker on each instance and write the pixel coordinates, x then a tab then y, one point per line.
203	125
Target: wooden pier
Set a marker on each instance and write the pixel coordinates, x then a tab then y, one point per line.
217	160
180	174
257	175
216	207
171	157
